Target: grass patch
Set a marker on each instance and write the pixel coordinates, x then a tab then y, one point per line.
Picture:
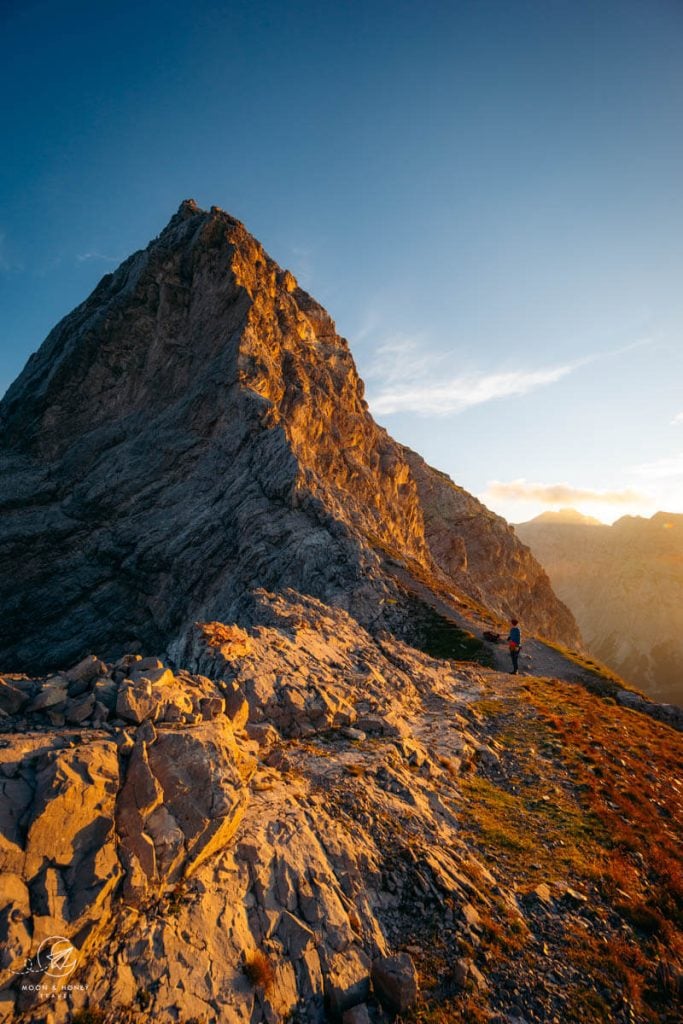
438	637
589	792
499	818
463	1009
626	770
487	708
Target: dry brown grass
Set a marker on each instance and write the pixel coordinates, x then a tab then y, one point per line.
627	770
589	791
466	1008
259	969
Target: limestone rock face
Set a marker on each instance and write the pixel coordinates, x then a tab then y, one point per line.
624	584
167	851
94	815
197	428
292	839
479	551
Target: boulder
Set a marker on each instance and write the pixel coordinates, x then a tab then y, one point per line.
15	914
79	708
388	724
471	915
542	894
356	1015
211	707
52	696
174	702
460	971
347	980
236	705
264	734
229	641
12	697
106	692
70	861
143	665
84	672
136	702
183	797
394	979
157	675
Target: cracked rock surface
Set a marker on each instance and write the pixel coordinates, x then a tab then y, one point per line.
333	832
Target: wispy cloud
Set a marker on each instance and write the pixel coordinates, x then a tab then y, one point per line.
411	378
402	358
678	418
84	257
455	394
661	469
556	494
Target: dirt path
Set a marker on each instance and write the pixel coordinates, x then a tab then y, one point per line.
537	658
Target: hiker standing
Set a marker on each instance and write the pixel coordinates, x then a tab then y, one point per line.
514	643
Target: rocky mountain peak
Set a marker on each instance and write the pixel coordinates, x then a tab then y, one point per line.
567	515
275	774
197	428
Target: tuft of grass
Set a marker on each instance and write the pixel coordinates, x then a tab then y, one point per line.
487	707
466	1008
588	1005
259	970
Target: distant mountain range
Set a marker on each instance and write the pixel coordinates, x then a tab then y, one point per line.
624	585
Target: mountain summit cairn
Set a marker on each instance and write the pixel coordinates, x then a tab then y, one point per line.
197	429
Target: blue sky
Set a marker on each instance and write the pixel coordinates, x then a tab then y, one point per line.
485	195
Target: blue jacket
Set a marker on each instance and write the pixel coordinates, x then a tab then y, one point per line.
515	636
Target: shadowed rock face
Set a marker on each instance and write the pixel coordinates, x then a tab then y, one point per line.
197	429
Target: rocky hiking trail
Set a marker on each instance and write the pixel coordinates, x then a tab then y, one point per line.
460	624
309	823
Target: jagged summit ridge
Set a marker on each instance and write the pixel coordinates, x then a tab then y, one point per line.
196	429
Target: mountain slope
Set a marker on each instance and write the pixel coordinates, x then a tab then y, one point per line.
197	428
309	802
624	584
340	823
